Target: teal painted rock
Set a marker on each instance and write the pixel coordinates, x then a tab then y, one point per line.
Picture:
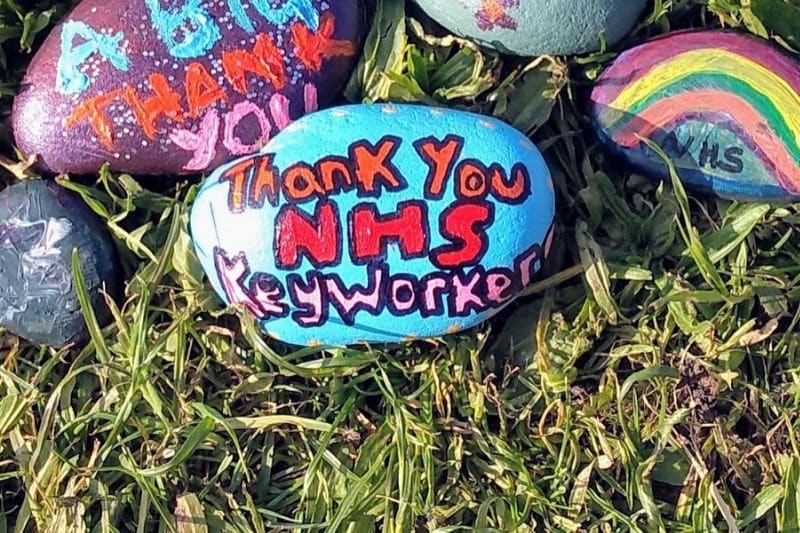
537	27
377	223
722	106
40	224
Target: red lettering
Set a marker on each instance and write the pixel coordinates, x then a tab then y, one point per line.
164	101
238	176
312	48
265	184
266	60
464	224
440	157
202	90
299	235
371	232
372	163
92	110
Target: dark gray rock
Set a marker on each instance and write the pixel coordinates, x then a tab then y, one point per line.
40	225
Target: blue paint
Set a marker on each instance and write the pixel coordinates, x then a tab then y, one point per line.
199	30
69	78
240	16
303	10
222	231
280	16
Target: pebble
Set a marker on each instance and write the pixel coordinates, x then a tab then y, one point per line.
40	225
537	27
377	223
163	90
723	106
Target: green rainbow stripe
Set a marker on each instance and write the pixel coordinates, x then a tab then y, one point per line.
720	81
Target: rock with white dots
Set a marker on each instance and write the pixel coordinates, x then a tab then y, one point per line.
157	87
377	223
40	225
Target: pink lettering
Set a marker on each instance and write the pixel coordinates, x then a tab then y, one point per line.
400	304
263	298
464	297
203	143
310	97
548	243
241	110
268	294
310	299
279	108
497	284
348	303
434	287
525	265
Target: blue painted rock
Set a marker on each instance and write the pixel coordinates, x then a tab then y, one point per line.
723	106
40	225
377	223
154	88
537	27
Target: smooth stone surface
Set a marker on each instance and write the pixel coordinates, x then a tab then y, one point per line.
40	225
723	106
377	223
537	27
158	87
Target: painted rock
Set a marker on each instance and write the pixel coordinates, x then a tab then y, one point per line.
377	223
537	27
723	106
158	89
40	225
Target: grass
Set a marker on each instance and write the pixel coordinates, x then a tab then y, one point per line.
649	381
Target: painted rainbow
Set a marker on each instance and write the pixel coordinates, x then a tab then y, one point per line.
724	106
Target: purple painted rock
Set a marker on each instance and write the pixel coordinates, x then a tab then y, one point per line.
157	87
40	225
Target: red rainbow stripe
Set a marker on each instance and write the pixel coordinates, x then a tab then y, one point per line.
670	110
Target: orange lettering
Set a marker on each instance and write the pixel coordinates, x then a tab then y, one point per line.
336	174
92	110
237	175
514	192
313	48
372	163
266	60
264	184
301	183
164	101
202	89
440	157
472	180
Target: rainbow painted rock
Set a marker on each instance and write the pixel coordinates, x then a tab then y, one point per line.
537	27
157	87
725	108
377	223
40	224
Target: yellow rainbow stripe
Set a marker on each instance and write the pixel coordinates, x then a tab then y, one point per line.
715	60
